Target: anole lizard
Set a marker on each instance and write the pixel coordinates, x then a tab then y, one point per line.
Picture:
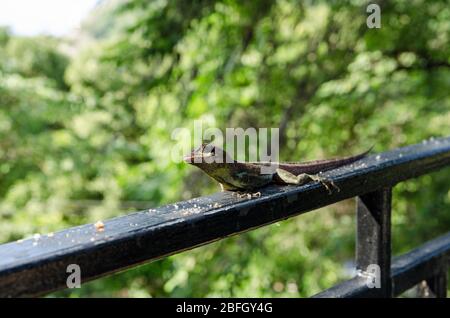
246	176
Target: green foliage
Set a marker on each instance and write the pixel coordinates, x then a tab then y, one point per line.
34	57
89	137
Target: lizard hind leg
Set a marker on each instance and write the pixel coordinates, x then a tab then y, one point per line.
240	194
290	178
247	195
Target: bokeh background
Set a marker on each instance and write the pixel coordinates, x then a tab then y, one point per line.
86	121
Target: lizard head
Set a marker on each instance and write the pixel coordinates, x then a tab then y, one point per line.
207	154
214	161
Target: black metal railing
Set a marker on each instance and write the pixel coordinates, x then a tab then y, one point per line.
37	266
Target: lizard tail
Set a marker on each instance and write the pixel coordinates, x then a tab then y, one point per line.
317	166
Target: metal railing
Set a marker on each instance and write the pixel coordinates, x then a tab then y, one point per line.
35	267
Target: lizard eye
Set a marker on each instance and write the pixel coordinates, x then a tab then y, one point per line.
213	151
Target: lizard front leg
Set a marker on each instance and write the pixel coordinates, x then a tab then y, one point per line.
241	194
303	178
247	195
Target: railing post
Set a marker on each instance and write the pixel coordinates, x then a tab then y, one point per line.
438	283
373	239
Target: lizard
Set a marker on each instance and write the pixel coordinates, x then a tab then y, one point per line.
244	177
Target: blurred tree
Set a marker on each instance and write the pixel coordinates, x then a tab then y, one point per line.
34	57
91	139
4	36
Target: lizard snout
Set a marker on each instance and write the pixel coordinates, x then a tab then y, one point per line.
188	159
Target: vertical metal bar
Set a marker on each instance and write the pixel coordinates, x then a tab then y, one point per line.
438	283
373	239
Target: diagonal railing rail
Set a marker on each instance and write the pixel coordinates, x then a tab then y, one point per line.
37	266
